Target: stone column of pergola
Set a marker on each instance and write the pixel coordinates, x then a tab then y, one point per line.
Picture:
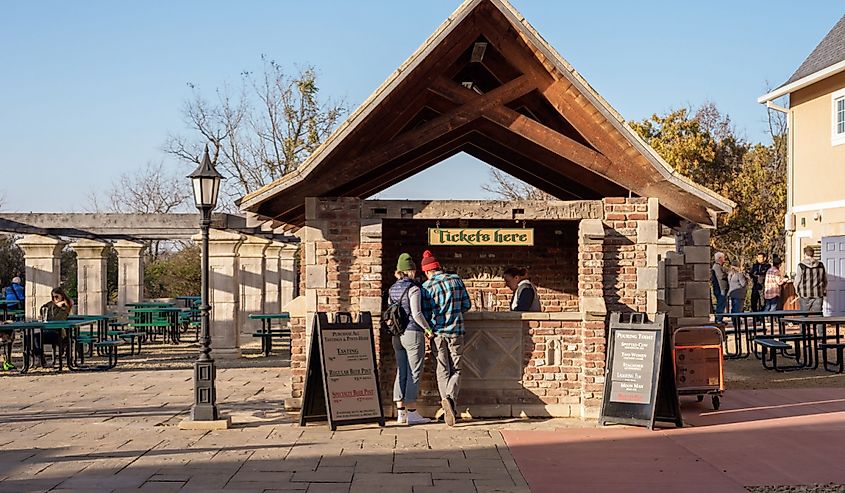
224	292
91	276
251	258
42	257
287	273
272	277
130	272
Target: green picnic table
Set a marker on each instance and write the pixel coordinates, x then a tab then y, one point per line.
267	332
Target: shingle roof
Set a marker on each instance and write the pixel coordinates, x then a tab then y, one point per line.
830	51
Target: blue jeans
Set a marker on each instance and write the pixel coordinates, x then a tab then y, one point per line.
410	354
721	301
772	304
736	304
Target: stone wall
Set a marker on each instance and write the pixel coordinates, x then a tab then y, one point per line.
684	281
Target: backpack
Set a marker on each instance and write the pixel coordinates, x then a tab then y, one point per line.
394	319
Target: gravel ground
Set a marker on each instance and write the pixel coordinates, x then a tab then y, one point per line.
810	488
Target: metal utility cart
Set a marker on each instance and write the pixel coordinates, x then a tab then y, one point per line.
699	362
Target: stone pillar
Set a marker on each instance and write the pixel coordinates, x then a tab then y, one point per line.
91	265
42	257
224	292
130	272
287	273
589	343
251	265
272	277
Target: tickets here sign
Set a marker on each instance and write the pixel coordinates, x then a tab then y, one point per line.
481	236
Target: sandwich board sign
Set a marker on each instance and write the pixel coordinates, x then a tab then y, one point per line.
341	380
639	386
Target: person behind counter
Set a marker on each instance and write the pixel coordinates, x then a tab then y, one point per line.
410	346
525	298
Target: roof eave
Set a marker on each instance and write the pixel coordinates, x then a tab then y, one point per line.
802	82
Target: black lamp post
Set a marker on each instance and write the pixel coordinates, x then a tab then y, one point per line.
206	184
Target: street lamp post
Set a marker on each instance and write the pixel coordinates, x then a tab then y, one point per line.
206	185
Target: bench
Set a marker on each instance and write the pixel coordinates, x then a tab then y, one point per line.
109	348
839	348
770	347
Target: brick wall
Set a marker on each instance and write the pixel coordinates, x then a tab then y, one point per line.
623	254
551	262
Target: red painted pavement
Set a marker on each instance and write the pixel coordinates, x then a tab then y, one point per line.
759	437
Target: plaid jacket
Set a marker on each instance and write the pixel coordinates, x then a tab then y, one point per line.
445	298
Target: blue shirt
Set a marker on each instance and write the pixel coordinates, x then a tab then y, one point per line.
445	297
15	294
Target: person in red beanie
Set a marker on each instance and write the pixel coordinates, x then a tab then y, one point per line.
446	299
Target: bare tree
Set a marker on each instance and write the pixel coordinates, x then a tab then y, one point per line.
505	187
150	190
260	131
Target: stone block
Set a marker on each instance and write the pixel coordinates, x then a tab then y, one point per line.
489	411
314	231
661	274
701	272
651	301
315	276
542	410
590	412
591	231
311	208
701	237
701	308
697	290
652	255
697	254
672	277
370	304
310	253
647	278
674	258
693	321
593	308
371	231
653	208
676	311
647	231
675	296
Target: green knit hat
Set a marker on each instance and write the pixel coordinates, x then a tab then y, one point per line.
404	263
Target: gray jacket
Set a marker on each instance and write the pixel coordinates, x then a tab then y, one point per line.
525	298
737	284
719	279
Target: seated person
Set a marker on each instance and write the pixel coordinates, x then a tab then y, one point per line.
525	298
15	295
56	309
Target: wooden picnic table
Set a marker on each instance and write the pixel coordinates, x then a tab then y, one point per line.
267	332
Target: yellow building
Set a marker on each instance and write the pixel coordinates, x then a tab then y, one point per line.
815	212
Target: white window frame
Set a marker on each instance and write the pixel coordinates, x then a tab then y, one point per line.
835	137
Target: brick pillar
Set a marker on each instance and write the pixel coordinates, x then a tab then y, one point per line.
287	273
130	272
224	292
42	257
590	344
251	278
272	277
91	267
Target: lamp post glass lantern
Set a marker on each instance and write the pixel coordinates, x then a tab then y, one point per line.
206	185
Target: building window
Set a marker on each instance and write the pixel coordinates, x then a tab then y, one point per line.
837	136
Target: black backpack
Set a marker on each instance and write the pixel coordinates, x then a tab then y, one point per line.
394	319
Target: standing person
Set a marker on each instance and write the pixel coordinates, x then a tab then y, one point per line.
758	278
446	299
811	282
58	308
719	281
410	346
737	288
525	298
773	283
15	295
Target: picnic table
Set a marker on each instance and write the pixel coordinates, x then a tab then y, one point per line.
10	313
68	334
267	332
749	325
154	320
815	338
190	301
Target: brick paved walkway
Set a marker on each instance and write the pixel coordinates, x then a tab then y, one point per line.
117	431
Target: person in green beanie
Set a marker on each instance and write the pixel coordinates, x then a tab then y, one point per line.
410	346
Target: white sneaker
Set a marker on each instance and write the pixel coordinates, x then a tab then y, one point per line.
414	418
401	416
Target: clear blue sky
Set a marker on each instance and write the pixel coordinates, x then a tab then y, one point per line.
90	90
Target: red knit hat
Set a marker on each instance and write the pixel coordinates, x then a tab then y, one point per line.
429	262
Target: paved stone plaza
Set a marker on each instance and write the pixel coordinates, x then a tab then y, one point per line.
117	431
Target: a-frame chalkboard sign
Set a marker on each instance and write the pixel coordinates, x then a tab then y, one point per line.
341	381
639	387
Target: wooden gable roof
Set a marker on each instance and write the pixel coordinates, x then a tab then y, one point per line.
487	84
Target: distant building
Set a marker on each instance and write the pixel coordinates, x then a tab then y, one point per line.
815	212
